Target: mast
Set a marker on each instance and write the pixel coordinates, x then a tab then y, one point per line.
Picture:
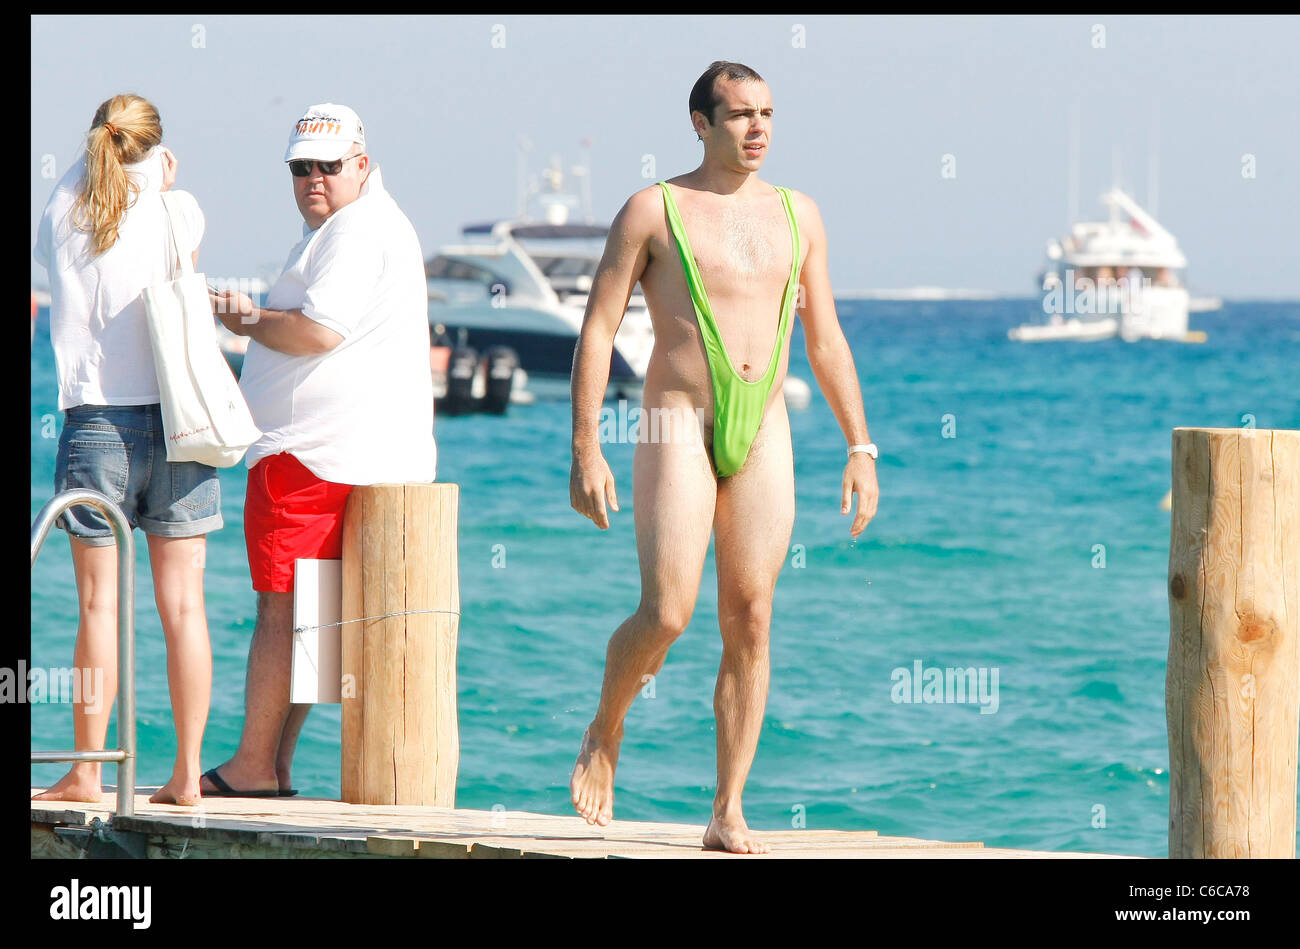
521	182
1114	181
1072	206
1153	159
585	174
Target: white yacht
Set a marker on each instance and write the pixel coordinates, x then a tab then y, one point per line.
1118	277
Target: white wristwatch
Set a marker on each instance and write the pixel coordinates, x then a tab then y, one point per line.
869	448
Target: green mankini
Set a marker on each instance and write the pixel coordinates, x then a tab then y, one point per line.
737	403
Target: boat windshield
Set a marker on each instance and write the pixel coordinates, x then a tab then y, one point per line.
555	267
566	257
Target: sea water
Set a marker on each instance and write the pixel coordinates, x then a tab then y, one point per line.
1019	540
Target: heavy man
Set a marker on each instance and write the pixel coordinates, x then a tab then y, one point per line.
337	378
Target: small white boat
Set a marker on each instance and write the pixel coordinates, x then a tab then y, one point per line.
1082	331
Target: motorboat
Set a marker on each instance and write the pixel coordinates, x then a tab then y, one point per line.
524	283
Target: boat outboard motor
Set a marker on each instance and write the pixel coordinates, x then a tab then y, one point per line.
501	364
461	369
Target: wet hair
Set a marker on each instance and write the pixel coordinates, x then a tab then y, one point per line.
704	97
125	127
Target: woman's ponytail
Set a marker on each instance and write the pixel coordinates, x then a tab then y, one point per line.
124	129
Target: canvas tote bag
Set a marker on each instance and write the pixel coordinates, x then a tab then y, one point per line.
205	417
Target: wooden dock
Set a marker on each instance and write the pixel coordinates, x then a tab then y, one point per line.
313	827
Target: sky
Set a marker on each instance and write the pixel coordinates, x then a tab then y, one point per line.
937	148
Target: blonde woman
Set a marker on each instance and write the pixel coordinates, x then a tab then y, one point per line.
103	238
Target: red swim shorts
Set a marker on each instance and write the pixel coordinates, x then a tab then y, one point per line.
289	513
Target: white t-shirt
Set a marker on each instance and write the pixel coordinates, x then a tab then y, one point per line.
97	321
361	413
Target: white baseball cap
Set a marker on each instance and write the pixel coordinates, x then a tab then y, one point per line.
325	133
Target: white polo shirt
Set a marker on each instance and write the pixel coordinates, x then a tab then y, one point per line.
361	413
102	352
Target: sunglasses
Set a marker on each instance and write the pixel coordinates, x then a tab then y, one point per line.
301	168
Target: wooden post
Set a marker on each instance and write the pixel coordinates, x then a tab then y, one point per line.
400	740
1232	690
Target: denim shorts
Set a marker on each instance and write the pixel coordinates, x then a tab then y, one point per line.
121	451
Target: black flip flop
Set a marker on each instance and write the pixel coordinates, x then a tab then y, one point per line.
225	790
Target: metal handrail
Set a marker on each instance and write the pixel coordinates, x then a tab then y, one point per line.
124	755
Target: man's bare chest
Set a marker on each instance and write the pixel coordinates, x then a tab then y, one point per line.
740	246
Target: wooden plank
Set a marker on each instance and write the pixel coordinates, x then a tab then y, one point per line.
339	842
445	849
298	827
193	848
57	814
393	846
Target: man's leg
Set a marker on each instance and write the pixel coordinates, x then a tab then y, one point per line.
755	514
177	565
289	514
266	698
673	491
293	723
95	569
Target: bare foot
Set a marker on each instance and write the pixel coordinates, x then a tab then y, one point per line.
592	785
732	835
76	785
175	791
